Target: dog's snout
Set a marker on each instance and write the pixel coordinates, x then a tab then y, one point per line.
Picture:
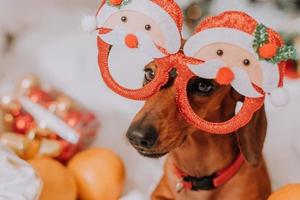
144	137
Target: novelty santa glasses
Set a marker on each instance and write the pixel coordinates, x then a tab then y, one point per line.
231	48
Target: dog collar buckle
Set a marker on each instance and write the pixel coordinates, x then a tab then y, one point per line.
204	183
179	186
195	184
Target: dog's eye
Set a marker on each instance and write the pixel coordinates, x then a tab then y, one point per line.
204	86
149	75
201	87
124	19
148	27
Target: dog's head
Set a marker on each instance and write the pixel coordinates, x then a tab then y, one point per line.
159	128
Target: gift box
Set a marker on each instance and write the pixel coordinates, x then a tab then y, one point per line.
39	121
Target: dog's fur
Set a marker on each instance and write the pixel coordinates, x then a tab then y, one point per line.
201	154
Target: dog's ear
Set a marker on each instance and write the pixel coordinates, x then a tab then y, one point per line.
252	136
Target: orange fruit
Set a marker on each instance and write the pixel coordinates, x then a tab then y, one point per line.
99	173
58	181
268	51
288	192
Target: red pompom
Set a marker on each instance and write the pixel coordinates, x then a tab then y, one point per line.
225	76
115	2
268	51
131	41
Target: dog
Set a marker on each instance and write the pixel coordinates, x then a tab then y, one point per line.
159	129
231	58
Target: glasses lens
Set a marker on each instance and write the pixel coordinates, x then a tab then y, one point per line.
210	107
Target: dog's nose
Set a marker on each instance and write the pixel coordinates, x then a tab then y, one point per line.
144	137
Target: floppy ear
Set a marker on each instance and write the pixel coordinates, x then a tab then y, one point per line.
252	136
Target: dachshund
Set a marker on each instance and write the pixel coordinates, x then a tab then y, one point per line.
159	129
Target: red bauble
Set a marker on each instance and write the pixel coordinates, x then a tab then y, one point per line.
73	118
23	123
38	96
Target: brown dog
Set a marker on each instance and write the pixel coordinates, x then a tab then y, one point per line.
159	129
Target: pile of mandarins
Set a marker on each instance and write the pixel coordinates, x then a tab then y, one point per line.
95	173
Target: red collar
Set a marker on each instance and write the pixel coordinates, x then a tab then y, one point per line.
209	182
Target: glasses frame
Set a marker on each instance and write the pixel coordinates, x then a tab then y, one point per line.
179	62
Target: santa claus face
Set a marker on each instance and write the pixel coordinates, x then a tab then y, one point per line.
232	64
233	56
134	38
135	22
135	31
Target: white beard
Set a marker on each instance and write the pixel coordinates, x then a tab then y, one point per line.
145	43
126	64
241	83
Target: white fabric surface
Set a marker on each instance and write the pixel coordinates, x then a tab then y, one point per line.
50	43
18	180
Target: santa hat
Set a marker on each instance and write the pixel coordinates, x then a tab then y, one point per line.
266	45
166	13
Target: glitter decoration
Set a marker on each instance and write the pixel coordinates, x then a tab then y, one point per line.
243	22
118	3
173	10
179	61
261	37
